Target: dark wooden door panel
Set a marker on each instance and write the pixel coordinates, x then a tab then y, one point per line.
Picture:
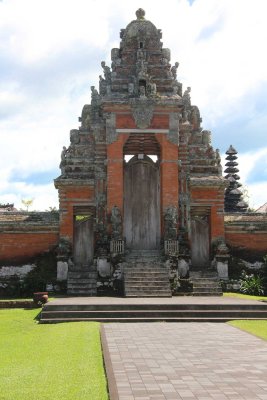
141	204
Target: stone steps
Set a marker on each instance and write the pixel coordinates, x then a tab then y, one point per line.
205	283
82	282
152	312
145	276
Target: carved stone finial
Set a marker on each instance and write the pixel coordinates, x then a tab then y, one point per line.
140	13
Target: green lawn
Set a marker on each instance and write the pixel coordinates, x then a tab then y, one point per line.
59	361
257	328
244	296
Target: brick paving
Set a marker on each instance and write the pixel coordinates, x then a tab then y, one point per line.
165	361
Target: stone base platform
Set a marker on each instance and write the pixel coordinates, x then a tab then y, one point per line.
175	309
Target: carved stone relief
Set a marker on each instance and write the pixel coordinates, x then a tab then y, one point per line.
142	112
111	135
173	135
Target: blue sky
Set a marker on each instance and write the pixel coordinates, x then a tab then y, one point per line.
50	55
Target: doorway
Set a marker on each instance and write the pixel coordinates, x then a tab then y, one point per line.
200	238
83	244
142	203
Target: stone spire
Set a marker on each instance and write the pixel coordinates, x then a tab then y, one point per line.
233	201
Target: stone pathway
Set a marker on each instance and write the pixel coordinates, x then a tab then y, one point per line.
165	361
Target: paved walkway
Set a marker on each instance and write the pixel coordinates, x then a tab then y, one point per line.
164	361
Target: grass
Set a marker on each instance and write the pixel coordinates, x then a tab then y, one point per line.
59	361
244	296
257	328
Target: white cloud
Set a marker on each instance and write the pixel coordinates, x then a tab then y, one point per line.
248	161
43	196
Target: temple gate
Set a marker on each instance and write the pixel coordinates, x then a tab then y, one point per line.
142	164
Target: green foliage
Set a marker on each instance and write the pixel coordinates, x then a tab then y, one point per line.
244	296
258	328
13	288
264	274
252	284
53	361
45	272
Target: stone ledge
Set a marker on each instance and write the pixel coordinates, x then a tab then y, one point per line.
211	181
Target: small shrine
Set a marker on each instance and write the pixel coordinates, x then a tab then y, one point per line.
141	191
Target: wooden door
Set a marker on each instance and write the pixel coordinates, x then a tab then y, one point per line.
200	241
83	240
141	204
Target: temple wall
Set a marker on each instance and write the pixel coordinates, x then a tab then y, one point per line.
115	173
246	235
23	236
212	199
70	197
169	172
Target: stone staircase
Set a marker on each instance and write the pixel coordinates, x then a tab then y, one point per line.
82	281
205	283
148	311
145	275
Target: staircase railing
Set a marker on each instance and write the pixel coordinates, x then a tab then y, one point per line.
117	246
171	247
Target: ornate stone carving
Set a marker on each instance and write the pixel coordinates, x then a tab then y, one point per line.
152	89
140	14
166	53
64	249
142	92
173	135
111	135
116	222
62	164
95	102
74	136
115	57
107	73
177	89
102	86
142	112
170	223
85	117
174	70
187	97
206	137
131	88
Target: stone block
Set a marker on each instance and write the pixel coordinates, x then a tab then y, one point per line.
103	267
222	269
183	268
62	270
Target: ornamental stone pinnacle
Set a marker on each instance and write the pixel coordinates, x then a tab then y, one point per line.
140	13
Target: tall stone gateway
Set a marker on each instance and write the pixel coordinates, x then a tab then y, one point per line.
122	210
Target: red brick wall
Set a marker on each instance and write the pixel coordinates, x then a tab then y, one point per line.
212	197
169	172
115	173
159	121
251	242
17	247
70	196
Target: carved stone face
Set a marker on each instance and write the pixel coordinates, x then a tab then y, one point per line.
142	90
130	88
